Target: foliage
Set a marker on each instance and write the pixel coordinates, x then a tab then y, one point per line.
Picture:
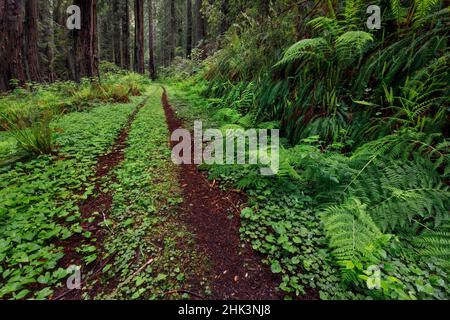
38	201
145	195
31	129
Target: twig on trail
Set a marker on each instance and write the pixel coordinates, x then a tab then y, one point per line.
234	206
184	291
132	276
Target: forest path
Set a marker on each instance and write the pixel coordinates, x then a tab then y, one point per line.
213	215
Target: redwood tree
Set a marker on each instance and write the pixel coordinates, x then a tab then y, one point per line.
86	55
46	41
151	61
188	28
172	31
139	65
200	23
125	35
31	36
116	31
11	44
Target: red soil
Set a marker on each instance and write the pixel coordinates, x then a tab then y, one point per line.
236	271
100	202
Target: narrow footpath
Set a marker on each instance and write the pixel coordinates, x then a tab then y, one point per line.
235	270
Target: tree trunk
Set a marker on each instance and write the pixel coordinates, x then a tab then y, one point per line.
200	23
12	37
31	40
225	8
188	28
86	51
126	36
46	42
172	31
151	50
139	65
116	32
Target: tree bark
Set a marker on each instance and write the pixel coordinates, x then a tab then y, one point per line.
189	29
139	65
225	8
12	37
116	32
86	51
151	61
126	36
172	31
31	39
46	42
200	23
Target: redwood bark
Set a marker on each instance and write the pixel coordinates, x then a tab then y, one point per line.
151	62
126	36
46	42
11	45
116	32
86	51
31	37
200	23
188	28
172	31
139	65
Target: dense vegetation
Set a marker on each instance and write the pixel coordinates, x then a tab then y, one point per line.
358	210
364	169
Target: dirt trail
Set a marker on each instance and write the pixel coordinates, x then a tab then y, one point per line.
214	216
100	202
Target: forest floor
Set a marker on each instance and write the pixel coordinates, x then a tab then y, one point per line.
137	225
213	215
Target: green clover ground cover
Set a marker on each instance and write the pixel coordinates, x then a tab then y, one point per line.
152	250
37	195
284	222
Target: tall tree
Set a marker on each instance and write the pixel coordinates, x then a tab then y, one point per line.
12	37
172	31
225	24
125	35
46	41
86	51
31	41
116	31
139	65
189	29
200	23
151	50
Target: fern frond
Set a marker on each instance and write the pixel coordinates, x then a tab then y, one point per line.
351	46
315	49
352	233
424	8
324	24
435	243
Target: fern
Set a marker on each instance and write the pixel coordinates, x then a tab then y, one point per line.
351	46
324	24
396	8
424	8
352	233
435	243
312	50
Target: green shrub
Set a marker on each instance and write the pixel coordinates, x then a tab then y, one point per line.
31	129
